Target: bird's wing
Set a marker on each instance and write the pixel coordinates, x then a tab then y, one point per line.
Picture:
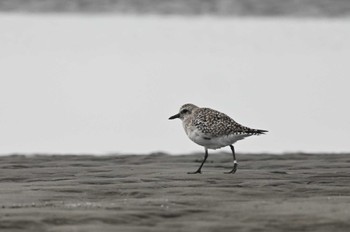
214	123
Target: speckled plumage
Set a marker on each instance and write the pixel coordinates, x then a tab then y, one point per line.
217	124
212	130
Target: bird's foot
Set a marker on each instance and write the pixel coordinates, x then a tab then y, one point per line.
196	172
234	169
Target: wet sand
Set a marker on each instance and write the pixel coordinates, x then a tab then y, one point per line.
294	192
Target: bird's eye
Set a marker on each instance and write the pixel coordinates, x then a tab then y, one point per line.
184	111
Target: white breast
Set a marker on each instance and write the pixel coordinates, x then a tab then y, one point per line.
211	142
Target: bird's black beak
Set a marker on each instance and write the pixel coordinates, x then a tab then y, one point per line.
174	116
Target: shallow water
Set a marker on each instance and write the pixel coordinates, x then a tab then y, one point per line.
101	84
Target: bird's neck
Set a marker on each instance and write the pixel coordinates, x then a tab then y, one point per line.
186	123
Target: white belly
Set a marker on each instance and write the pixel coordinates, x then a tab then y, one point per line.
214	142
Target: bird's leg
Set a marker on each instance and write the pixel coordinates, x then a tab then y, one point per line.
200	167
235	164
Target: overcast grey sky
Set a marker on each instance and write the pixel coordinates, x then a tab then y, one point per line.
72	84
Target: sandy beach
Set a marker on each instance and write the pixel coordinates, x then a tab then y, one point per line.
294	192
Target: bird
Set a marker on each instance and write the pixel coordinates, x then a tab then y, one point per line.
212	130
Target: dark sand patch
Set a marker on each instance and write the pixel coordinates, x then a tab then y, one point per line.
226	8
294	192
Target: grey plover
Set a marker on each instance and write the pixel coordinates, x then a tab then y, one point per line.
212	130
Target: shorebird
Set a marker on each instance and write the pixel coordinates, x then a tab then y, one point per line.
212	130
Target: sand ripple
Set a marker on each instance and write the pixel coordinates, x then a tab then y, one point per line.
294	192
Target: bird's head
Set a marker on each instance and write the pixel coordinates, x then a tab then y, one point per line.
184	112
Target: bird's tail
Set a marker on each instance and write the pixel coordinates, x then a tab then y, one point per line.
257	131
